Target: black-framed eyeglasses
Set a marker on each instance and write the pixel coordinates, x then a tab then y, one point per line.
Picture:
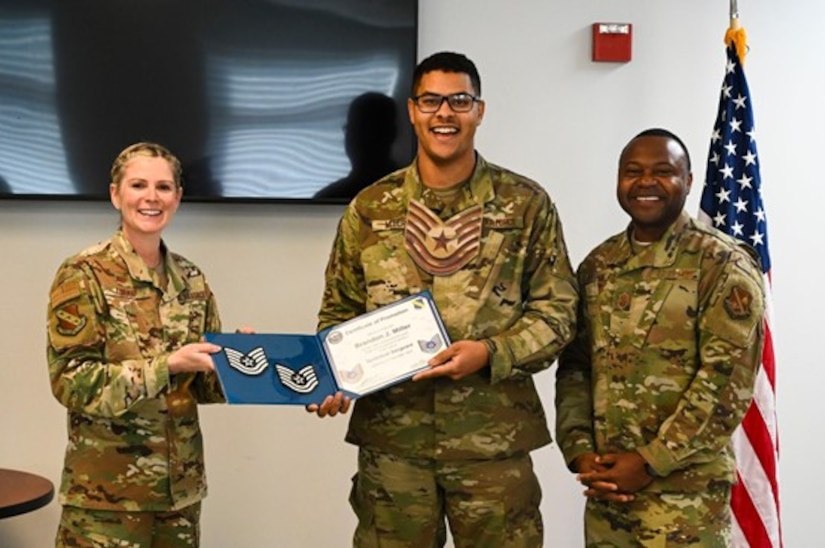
431	102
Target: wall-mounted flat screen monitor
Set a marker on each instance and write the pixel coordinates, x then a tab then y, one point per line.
275	100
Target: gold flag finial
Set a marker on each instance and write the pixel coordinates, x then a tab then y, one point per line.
736	34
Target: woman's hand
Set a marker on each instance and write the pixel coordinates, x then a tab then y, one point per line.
192	358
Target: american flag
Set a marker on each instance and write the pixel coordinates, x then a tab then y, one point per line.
731	202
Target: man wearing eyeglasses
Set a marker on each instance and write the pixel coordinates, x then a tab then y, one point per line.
454	443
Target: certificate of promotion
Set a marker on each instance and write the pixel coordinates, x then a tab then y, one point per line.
360	356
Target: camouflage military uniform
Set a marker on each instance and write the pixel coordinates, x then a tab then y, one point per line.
518	293
134	439
663	364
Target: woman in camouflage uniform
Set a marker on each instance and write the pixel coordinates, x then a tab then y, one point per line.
125	322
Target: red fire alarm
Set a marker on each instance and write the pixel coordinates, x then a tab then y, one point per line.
612	41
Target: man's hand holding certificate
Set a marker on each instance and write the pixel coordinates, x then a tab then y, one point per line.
368	353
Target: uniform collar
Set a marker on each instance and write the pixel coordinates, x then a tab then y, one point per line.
136	266
138	269
659	254
480	185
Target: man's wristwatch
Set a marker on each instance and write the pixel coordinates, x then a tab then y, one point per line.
650	471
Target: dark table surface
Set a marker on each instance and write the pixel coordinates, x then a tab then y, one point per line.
22	492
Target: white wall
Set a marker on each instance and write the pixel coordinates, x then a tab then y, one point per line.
280	477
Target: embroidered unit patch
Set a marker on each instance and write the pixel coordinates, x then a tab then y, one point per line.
738	303
69	321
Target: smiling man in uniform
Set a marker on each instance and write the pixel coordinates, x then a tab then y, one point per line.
662	368
454	442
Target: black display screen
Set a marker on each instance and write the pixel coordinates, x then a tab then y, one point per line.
291	100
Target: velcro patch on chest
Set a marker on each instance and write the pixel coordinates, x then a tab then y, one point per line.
442	247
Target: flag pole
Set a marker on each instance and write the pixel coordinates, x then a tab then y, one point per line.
733	178
736	34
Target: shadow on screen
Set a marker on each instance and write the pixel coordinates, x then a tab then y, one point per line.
369	135
129	72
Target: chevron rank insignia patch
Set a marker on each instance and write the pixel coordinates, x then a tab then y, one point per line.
442	247
303	381
431	345
251	363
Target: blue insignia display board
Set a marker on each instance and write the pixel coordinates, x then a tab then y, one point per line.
360	356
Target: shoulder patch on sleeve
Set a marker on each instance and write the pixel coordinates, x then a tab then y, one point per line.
738	303
71	315
736	311
70	321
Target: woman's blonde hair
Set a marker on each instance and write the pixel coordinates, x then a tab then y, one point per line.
151	150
